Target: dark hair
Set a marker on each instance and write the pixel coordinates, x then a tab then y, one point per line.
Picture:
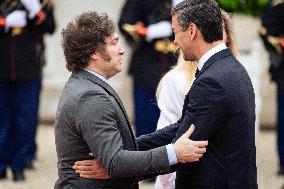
205	14
83	37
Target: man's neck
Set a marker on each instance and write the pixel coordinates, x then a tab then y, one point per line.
96	73
206	47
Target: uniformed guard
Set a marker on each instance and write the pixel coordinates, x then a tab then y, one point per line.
22	25
272	33
146	26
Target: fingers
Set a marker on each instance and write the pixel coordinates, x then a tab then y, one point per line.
200	150
83	168
94	176
89	172
189	132
200	144
86	163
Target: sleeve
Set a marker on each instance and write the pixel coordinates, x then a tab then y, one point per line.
44	21
131	13
206	109
156	139
98	122
2	25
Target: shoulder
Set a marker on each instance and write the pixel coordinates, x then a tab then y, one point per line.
81	90
174	78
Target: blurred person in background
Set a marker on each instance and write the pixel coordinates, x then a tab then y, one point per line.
48	26
146	26
272	34
22	25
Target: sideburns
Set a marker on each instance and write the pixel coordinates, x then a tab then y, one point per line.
105	56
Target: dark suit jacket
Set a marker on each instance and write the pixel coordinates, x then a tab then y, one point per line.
221	104
91	118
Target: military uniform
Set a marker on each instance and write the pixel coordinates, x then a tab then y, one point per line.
151	58
20	81
272	33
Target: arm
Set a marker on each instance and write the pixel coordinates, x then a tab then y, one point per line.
135	24
97	120
158	138
15	19
170	102
91	169
131	14
40	15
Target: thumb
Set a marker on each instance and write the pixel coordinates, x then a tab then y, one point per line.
189	132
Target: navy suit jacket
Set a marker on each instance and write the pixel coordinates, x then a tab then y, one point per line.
221	104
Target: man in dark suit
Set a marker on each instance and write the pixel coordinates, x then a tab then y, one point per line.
220	103
91	118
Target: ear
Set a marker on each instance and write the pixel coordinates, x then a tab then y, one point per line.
192	30
94	56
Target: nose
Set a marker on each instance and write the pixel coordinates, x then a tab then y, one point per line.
121	51
175	42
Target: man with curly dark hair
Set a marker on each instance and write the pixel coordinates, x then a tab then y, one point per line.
91	116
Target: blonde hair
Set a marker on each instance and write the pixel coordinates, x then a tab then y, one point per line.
186	68
227	24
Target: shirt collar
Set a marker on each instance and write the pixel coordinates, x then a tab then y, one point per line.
175	2
96	74
210	53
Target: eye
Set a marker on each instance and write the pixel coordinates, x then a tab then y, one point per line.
114	42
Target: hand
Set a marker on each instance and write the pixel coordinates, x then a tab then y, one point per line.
90	169
16	19
32	6
282	42
188	150
140	29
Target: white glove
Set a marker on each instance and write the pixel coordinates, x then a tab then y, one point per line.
159	30
16	18
32	6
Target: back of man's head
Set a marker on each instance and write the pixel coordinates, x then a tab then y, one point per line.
83	36
205	14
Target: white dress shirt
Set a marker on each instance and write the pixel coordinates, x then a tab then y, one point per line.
96	74
210	53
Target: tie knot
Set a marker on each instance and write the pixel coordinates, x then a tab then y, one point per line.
197	72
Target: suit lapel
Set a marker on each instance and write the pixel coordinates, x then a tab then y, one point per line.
86	75
219	55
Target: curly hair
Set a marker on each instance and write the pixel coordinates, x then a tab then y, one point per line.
83	36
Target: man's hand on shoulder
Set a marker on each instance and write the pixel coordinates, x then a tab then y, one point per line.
188	150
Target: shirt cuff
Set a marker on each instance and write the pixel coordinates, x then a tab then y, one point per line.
171	154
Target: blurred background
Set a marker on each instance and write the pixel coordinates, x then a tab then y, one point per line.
252	54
